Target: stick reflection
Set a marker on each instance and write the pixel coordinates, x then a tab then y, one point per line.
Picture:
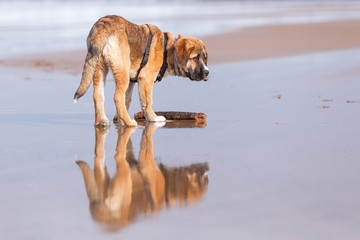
139	186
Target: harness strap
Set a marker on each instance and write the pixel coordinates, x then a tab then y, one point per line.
176	67
165	65
146	56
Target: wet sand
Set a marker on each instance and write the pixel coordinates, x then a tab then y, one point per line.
283	40
277	159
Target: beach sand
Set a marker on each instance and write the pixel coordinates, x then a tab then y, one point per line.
247	44
282	142
283	40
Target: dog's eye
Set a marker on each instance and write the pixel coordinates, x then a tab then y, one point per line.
196	59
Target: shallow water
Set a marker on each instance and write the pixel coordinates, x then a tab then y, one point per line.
56	25
281	146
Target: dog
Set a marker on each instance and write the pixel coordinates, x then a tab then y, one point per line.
139	54
140	186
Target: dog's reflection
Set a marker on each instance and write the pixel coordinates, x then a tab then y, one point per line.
139	186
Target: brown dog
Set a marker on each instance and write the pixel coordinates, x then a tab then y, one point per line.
136	53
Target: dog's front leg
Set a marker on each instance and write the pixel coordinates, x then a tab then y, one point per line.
145	93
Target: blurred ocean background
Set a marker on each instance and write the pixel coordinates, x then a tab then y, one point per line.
42	26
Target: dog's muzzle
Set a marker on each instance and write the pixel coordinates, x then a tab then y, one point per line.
200	74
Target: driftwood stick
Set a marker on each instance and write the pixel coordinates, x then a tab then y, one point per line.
174	115
180	124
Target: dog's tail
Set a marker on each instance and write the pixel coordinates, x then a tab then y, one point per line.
95	45
92	189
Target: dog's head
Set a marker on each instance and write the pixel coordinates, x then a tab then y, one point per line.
191	58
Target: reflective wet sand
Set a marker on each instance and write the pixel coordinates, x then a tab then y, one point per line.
281	144
140	186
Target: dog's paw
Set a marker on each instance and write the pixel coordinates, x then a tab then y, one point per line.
159	124
132	123
159	119
102	122
116	119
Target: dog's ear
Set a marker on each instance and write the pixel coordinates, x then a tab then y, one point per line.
189	45
184	43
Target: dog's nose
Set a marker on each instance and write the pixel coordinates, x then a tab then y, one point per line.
206	73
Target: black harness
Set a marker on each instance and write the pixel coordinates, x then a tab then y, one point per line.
164	65
146	58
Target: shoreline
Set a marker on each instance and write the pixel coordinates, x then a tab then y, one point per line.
284	40
242	45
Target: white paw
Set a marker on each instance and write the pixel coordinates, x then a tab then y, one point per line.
159	119
131	123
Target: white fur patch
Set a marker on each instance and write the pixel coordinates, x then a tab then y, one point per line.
111	45
206	68
159	124
160	119
112	50
133	73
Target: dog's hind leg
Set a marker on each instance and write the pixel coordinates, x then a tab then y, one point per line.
120	64
99	97
128	97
